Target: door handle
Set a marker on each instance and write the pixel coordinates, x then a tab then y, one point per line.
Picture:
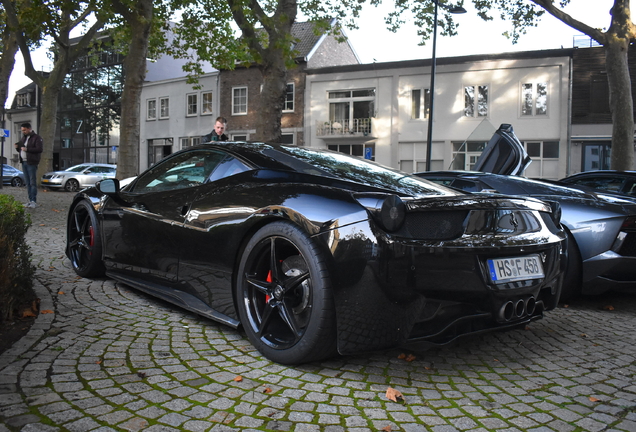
185	209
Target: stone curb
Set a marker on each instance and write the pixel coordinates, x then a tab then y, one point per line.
41	325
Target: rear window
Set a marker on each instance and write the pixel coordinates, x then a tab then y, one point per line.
354	169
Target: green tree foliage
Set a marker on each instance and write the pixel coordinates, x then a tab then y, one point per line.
52	20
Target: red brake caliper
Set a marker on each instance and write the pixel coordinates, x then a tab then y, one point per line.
269	280
91	234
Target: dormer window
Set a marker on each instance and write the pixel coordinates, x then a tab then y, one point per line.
24	99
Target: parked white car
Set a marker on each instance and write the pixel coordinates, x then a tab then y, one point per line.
79	176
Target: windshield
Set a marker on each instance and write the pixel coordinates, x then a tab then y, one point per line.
354	169
77	168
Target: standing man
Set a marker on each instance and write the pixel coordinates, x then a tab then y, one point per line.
29	149
217	134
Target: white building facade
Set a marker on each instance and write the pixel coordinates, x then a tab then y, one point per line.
380	111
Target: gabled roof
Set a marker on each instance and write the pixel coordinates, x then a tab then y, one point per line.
307	38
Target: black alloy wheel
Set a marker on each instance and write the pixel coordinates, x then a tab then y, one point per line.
84	241
16	182
284	296
71	185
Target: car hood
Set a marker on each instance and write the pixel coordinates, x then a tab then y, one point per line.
504	154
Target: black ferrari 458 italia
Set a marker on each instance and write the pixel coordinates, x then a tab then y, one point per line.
315	253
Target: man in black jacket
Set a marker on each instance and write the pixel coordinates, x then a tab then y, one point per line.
217	134
29	149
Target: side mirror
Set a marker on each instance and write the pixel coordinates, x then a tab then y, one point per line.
108	186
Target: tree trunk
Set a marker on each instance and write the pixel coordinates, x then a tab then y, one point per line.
7	61
621	104
140	21
48	123
272	99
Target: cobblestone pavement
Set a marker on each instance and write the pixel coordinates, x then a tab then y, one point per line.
110	358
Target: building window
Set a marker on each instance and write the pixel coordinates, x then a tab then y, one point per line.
289	98
158	149
239	101
151	109
287	138
206	103
189	141
545	159
412	157
23	99
420	103
350	111
240	137
476	101
465	154
366	151
534	99
164	108
192	103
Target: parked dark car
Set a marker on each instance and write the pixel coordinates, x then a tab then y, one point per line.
601	229
79	176
621	183
314	252
12	176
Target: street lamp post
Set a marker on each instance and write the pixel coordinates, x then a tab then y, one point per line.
429	138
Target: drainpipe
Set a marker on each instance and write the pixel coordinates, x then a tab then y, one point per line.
568	167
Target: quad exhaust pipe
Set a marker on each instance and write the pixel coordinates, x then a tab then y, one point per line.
517	309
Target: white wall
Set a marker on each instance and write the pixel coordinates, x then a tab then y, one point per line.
393	124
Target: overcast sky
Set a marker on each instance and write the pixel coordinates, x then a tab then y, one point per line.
373	42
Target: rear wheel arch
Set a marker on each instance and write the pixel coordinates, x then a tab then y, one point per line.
572	279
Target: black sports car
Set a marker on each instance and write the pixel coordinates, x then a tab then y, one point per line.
314	252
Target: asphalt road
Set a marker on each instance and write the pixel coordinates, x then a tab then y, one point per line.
109	358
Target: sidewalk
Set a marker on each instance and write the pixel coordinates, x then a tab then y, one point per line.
114	359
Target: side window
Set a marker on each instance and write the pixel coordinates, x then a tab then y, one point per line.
466	185
188	169
228	167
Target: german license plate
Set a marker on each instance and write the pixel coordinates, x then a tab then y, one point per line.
517	268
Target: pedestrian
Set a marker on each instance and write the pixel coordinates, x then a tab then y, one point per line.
29	149
217	133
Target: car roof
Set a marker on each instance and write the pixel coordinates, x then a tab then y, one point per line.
603	172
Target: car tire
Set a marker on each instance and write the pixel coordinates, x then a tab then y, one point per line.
84	241
284	297
71	185
573	273
17	182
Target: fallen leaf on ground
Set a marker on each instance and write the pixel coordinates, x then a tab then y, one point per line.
394	395
410	358
27	313
267	390
238	378
42	224
608	307
402	356
387	428
60	292
98	362
46	311
593	399
55	210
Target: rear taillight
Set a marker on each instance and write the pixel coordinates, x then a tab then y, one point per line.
629	224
